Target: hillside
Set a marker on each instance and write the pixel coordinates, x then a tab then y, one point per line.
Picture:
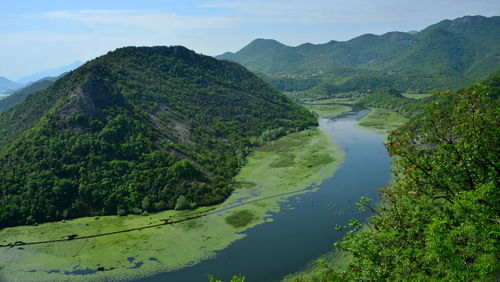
447	55
133	131
20	95
393	101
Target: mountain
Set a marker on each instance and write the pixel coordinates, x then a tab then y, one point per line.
133	131
20	95
6	84
446	55
247	55
49	73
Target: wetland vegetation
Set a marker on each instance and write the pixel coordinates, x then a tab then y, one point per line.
162	164
382	120
324	110
255	197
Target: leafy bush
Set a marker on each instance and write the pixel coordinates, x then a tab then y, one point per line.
439	218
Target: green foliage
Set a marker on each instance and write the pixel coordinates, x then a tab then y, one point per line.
134	130
382	120
184	169
236	278
447	55
326	268
439	218
183	203
390	99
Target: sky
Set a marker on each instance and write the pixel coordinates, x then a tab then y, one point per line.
37	35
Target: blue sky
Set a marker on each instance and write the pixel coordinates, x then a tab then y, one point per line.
36	35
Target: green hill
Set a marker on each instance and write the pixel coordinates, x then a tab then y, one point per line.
447	55
391	100
133	131
20	95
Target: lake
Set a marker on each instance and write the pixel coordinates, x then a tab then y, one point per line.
304	230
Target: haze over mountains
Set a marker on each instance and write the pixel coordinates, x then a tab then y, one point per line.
49	73
446	55
8	85
134	130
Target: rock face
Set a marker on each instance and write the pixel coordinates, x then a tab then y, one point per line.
132	131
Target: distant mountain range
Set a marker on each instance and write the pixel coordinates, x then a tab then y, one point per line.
49	73
7	85
446	55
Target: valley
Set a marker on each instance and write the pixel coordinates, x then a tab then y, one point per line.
374	158
276	187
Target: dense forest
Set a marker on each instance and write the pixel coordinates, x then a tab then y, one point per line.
448	55
438	220
139	129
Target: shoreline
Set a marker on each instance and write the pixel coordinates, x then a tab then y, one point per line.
137	253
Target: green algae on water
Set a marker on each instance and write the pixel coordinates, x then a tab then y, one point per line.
151	247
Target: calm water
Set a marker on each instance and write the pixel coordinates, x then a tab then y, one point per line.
299	235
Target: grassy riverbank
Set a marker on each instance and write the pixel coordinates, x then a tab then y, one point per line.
382	121
316	270
273	172
328	110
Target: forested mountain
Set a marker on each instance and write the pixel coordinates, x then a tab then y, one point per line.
447	55
133	131
20	95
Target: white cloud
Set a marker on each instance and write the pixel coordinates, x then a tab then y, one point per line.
30	42
281	11
149	20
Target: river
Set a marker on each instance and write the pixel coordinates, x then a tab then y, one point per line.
302	233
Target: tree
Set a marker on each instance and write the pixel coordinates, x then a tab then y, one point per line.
184	169
182	203
439	217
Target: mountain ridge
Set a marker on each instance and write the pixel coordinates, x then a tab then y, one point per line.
8	85
49	73
447	55
134	130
